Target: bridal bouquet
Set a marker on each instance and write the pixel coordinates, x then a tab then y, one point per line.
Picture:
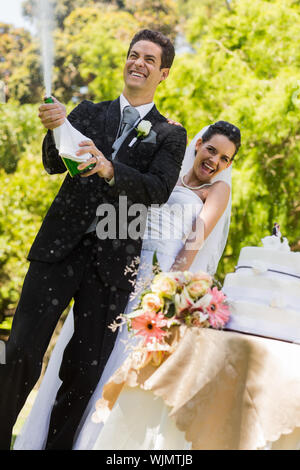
174	299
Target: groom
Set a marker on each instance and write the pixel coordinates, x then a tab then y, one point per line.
68	260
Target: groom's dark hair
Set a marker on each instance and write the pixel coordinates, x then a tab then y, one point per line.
168	50
224	128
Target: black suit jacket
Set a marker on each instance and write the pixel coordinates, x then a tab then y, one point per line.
145	173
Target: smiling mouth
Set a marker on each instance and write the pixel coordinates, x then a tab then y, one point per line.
134	73
208	167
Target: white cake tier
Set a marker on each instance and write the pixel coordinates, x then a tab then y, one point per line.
262	320
267	288
264	292
288	262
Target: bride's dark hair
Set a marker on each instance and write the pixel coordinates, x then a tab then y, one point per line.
225	128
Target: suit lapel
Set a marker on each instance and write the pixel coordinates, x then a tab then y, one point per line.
153	116
113	117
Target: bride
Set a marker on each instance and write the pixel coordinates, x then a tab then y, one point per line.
199	235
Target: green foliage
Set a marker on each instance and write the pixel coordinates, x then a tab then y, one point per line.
25	197
62	8
19	65
91	38
19	128
5	325
94	45
155	14
244	68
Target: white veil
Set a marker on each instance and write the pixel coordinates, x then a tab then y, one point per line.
209	255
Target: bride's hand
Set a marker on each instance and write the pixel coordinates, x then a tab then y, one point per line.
103	167
175	123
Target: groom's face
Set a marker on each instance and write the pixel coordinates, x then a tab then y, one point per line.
213	156
142	71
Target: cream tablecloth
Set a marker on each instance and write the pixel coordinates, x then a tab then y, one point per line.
218	390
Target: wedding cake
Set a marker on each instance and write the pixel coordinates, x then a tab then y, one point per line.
264	291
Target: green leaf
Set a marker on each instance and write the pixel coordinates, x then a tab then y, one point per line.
156	269
171	310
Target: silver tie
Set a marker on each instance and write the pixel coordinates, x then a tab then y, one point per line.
130	116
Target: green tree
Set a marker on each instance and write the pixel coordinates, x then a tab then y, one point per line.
19	127
61	8
155	14
149	13
245	69
25	197
19	64
89	24
93	48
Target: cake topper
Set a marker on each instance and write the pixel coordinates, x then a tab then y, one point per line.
276	230
275	241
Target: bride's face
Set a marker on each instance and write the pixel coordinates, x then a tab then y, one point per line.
213	156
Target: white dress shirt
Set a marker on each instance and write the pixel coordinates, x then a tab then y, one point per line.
143	109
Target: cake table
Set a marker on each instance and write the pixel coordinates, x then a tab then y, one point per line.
218	390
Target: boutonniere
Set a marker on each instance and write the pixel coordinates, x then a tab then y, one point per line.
143	130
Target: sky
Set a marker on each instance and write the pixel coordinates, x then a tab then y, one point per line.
10	12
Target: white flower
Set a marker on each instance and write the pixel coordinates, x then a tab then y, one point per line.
164	284
152	301
259	267
144	128
203	302
183	301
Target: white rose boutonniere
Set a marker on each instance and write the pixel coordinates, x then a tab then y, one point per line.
143	129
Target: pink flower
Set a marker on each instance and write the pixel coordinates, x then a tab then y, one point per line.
218	312
150	325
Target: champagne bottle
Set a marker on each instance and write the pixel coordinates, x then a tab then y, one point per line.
48	99
71	165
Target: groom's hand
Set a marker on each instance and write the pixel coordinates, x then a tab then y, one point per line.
52	115
103	167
